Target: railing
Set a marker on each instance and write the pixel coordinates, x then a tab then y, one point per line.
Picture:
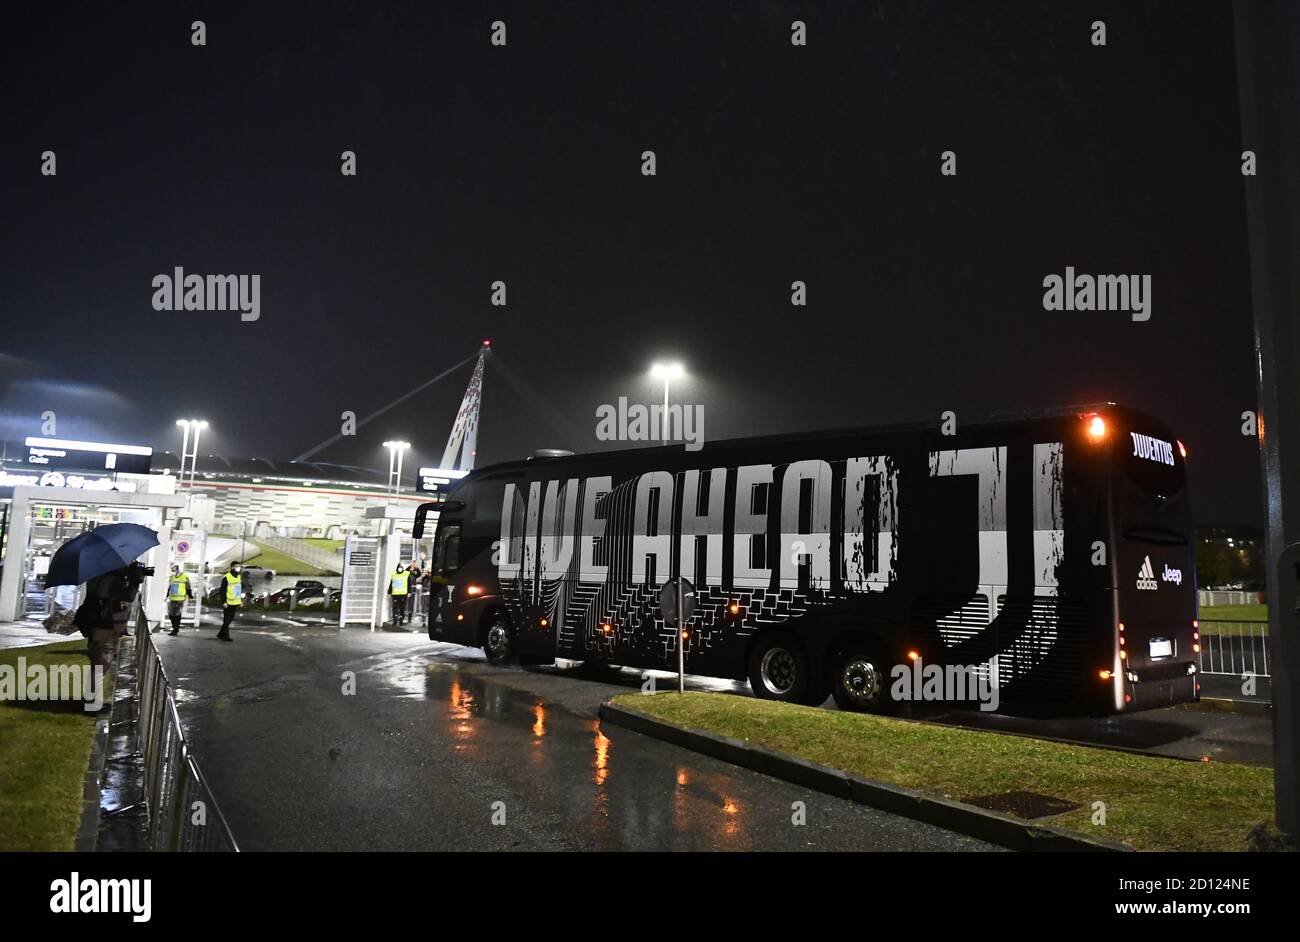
1207	598
183	814
1234	647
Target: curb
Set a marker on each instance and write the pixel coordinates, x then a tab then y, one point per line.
991	826
1228	705
87	838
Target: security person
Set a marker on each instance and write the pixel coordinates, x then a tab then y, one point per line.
178	590
399	587
232	597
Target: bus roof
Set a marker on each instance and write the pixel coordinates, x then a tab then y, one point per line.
527	464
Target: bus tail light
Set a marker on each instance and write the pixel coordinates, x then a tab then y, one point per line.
473	590
1182	449
1104	675
912	655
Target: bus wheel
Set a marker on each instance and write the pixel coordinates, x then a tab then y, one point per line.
779	669
859	679
498	640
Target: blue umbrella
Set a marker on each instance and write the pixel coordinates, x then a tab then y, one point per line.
98	551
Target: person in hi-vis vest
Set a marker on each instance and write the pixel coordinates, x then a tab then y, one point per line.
232	598
399	588
178	590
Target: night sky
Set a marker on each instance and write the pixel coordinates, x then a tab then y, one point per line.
477	163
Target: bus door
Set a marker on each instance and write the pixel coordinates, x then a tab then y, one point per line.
527	556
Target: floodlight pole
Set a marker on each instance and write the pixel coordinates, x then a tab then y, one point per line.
1267	56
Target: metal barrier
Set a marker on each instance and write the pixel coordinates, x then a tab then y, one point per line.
1207	598
183	814
1234	647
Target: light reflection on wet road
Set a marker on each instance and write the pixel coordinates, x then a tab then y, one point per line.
435	745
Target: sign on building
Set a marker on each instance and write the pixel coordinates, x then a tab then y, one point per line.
57	454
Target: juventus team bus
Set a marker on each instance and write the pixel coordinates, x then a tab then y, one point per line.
1051	551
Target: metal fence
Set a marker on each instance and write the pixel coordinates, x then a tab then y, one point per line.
1234	647
1210	597
183	814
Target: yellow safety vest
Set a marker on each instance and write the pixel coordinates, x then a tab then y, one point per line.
178	588
234	589
401	581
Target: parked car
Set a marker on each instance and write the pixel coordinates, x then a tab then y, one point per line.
305	595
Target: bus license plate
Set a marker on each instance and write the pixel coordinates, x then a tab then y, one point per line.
1161	647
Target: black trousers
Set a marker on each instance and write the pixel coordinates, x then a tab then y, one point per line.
174	613
227	616
399	608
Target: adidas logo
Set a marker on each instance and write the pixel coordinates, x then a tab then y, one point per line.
1147	576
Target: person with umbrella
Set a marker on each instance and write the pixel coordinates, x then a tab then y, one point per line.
105	559
231	589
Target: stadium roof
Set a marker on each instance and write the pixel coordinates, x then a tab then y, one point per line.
248	468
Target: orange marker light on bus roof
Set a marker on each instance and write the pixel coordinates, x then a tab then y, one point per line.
912	655
1182	449
473	590
1104	675
1096	427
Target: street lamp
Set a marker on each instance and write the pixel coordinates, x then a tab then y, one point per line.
396	449
187	426
667	372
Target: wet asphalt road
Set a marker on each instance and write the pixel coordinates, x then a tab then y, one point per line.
434	743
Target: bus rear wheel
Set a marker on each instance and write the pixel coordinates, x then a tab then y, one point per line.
860	679
499	640
779	669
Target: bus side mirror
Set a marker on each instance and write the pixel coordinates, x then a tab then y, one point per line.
421	512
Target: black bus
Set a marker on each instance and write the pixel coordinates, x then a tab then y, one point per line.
1051	552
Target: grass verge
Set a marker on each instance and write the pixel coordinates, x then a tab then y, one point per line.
334	546
44	748
1151	803
282	563
1234	613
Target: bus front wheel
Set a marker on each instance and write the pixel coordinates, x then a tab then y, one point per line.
779	669
499	640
